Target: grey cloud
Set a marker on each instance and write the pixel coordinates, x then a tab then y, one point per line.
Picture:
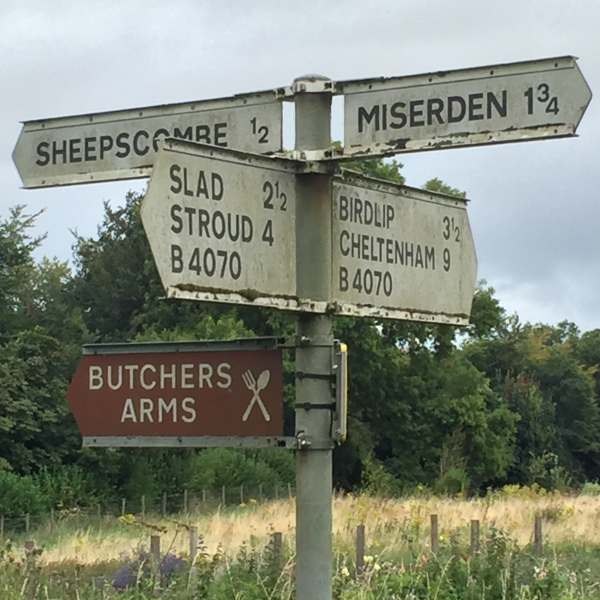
535	207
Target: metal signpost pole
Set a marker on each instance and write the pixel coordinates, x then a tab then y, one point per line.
314	356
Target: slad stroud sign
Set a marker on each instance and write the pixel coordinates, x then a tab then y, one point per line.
178	393
221	225
122	144
484	105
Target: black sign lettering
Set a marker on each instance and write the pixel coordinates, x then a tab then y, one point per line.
177	227
122	145
420	112
44	155
176	259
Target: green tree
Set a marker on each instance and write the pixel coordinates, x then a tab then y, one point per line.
17	271
36	427
378	168
437	185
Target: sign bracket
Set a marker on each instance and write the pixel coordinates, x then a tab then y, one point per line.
287	442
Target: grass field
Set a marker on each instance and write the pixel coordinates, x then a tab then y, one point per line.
236	560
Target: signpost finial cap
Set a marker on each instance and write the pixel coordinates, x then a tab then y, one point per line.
312	83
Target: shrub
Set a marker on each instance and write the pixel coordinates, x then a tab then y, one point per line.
217	467
67	487
523	492
590	488
20	494
377	480
453	482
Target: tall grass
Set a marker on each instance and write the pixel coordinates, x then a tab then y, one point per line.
236	560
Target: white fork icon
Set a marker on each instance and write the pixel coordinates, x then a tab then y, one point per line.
256	387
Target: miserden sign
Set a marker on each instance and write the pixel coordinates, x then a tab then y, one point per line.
122	144
179	394
513	102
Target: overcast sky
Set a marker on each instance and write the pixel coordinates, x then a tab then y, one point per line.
535	210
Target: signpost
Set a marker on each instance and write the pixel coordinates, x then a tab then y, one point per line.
401	253
225	225
222	225
122	144
512	102
186	394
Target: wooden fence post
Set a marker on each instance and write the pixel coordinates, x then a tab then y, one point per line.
193	554
277	542
51	520
185	501
260	492
538	543
242	493
164	505
435	539
143	506
289	485
123	506
360	549
474	537
193	543
155	554
1	527
99	510
223	496
27	523
203	495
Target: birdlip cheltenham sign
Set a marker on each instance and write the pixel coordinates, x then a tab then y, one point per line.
484	105
400	252
178	393
122	144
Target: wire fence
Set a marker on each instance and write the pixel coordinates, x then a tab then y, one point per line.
165	504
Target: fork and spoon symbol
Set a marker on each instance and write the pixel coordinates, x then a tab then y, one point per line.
256	386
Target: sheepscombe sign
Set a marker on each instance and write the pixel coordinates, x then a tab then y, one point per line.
178	394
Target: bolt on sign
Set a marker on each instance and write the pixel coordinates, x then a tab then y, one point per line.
400	252
484	105
179	394
221	225
122	144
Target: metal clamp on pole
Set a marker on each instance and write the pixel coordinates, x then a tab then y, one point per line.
326	376
306	442
303	341
312	406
